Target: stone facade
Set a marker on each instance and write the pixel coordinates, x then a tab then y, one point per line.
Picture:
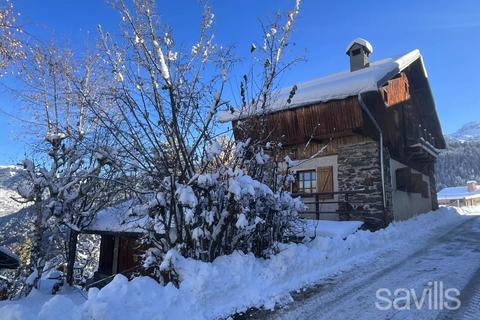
359	170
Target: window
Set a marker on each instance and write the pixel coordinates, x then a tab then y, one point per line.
306	181
317	180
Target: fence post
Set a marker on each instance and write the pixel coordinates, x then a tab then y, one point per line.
317	207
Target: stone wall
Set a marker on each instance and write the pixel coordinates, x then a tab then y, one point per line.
359	170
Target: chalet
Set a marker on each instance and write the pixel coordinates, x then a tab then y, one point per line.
468	195
364	141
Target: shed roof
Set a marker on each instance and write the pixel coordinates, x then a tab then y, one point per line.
457	193
336	86
117	219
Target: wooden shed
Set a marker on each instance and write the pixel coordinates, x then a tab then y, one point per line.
120	245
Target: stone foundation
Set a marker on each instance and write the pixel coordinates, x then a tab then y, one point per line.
359	170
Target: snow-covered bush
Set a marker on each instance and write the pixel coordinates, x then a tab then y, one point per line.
218	212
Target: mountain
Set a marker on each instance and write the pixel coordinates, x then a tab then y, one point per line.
469	132
460	162
15	217
10	179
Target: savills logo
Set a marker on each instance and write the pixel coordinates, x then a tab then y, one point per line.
433	297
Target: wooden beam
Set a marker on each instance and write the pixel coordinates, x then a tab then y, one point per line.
115	255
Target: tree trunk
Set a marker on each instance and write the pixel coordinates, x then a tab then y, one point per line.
36	253
72	251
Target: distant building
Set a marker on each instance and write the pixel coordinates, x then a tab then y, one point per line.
8	259
468	195
365	140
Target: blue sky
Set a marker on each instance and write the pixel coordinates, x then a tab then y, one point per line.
446	32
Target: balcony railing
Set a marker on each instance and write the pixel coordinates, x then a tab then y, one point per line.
343	203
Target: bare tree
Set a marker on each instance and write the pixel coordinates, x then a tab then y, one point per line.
166	98
68	182
12	47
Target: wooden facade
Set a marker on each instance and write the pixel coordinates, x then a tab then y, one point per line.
118	254
318	122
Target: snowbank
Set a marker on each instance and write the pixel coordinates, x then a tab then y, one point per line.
326	228
238	281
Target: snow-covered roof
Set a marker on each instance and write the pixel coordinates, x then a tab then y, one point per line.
361	42
8	259
117	219
336	86
457	193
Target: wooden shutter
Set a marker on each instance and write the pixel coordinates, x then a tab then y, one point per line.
325	180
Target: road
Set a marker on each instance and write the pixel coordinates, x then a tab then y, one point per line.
451	260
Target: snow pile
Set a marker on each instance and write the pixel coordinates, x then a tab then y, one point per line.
238	281
327	228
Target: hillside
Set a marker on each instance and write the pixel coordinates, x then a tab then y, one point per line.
10	178
14	216
461	161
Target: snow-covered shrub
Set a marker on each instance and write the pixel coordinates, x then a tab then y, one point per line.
221	210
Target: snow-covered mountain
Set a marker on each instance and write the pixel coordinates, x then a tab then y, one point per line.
14	216
469	132
460	162
10	178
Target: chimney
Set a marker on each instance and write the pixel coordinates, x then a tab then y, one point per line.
359	50
472	186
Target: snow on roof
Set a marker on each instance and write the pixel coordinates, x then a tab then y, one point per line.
8	259
361	42
117	219
457	193
336	86
9	253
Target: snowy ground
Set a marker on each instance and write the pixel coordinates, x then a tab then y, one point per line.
342	276
452	258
